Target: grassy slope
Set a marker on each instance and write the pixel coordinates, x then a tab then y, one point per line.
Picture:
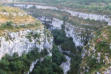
15	15
6	21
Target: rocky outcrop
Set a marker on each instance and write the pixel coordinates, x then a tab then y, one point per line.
53	23
66	65
90	16
24	41
73	32
22	35
85	16
70	30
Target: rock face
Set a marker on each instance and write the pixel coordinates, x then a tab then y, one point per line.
66	65
90	16
23	38
54	23
24	41
96	17
97	58
71	31
32	66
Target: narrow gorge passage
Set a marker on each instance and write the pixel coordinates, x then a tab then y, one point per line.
55	37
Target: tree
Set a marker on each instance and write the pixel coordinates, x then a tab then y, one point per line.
65	19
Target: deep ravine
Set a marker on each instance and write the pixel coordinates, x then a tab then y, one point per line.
45	40
63	42
70	32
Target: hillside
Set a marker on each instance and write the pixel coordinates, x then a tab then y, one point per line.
58	37
97	54
15	15
23	40
14	19
90	6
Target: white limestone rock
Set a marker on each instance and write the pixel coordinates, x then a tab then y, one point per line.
70	31
24	41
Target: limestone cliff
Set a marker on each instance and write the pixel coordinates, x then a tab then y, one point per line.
20	33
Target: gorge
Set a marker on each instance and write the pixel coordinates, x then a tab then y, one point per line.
45	39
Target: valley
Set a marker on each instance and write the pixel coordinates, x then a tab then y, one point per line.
53	39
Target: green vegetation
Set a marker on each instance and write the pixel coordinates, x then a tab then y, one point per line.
79	22
61	39
50	65
7	25
100	52
47	66
92	6
18	65
94	65
60	36
16	15
57	56
15	28
31	34
75	64
102	40
68	45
